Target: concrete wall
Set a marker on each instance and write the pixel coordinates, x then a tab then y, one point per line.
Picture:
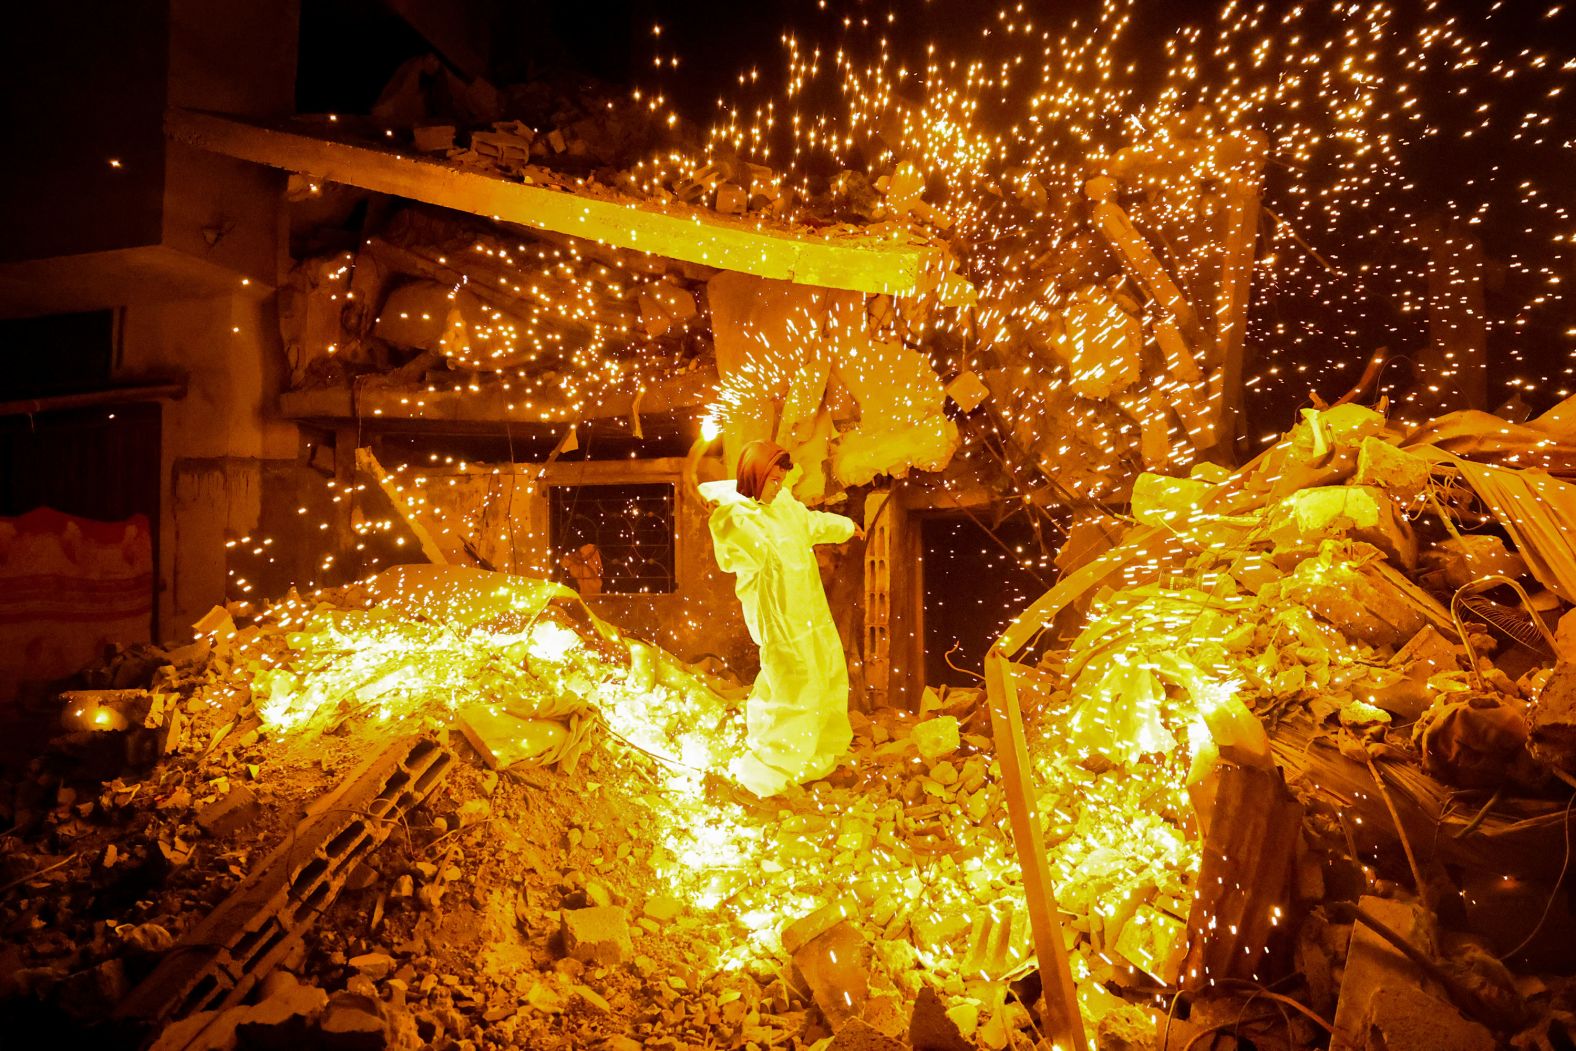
215	440
502	511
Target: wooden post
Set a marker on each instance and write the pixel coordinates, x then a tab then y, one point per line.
878	599
1063	1020
1012	752
1243	189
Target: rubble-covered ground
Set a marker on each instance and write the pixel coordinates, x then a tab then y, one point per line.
465	926
580	878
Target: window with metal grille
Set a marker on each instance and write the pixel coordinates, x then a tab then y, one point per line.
613	539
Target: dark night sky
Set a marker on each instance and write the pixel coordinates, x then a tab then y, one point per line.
350	48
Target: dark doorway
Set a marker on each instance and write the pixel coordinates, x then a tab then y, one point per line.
974	585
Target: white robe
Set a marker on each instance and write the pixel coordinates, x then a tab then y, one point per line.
797	713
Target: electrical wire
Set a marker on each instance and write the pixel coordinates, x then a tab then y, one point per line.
1554	892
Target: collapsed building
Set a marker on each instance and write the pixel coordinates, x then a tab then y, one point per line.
1272	755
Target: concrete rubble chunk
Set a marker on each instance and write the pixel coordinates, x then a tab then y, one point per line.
936	737
231	812
1363	605
599	934
807	928
931	1028
353	1022
835	966
1463	559
283	1018
1565	637
374	965
1327	512
1162	500
857	1035
1552	736
1401	474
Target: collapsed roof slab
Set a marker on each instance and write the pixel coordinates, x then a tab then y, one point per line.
489	405
862	262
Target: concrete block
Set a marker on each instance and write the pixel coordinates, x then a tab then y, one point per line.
807	928
1461	560
1162	500
599	934
283	1018
1405	1018
502	739
936	738
1155	943
1372	964
435	138
1362	604
374	965
968	391
731	199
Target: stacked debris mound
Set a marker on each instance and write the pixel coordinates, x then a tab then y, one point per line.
452	808
1381	620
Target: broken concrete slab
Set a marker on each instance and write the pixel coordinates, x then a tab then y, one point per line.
936	737
1405	1018
353	1022
1162	500
1460	560
283	1018
374	965
1373	964
599	934
503	739
1401	474
811	926
868	262
1364	605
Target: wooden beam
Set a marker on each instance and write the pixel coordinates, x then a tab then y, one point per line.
863	262
683	393
429	545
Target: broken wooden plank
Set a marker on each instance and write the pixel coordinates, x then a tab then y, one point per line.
861	262
429	545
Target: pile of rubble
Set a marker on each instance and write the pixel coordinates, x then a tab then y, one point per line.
1347	610
452	808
